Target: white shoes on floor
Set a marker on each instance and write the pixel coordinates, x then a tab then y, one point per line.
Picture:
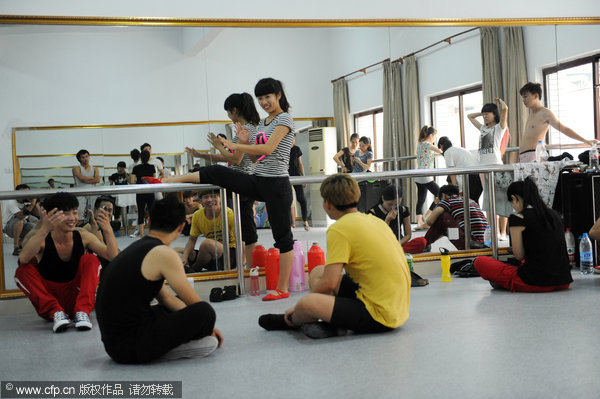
197	348
62	321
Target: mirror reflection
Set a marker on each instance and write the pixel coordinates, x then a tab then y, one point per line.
448	88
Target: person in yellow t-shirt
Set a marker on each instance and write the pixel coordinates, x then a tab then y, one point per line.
374	294
207	222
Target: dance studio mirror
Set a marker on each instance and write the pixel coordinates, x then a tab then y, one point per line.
159	65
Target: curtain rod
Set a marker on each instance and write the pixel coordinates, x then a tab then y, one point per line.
446	40
401	59
363	70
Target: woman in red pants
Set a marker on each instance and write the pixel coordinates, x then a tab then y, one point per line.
538	244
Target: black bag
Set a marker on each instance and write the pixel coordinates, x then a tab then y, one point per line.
465	268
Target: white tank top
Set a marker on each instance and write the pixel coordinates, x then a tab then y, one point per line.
90	173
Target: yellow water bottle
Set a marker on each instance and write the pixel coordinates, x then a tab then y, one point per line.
445	260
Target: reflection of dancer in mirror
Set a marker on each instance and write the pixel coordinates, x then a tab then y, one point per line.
297	169
145	169
373	295
492	130
426	150
270	182
539	120
391	211
344	157
85	175
241	110
363	157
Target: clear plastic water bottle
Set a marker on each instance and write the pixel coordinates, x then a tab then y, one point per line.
570	240
594	154
254	283
586	256
541	155
487	237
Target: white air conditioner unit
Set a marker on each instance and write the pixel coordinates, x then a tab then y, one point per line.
322	146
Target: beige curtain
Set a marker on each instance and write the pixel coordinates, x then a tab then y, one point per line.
490	62
516	77
341	112
413	122
393	113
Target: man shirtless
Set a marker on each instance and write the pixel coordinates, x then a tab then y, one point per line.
538	121
57	271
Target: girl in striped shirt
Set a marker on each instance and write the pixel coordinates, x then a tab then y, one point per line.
270	182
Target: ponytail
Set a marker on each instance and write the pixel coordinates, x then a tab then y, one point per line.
425	132
272	86
244	104
529	192
367	141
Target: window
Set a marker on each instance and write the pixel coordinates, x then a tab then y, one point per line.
449	116
571	96
370	124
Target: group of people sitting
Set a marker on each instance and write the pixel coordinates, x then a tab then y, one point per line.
364	285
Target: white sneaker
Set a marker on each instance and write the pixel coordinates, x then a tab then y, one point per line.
61	321
502	237
197	348
82	321
136	233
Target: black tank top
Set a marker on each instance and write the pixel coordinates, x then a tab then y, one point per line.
53	268
124	294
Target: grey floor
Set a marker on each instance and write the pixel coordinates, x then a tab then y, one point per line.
462	340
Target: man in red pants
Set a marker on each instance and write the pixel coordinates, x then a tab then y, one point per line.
55	270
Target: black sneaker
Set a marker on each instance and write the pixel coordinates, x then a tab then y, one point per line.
321	329
16	251
216	294
271	322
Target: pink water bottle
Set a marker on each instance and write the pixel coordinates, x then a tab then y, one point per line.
254	284
297	282
272	268
316	257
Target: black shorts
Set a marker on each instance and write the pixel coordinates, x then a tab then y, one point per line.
350	313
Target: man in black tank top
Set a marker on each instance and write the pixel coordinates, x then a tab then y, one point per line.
55	272
132	330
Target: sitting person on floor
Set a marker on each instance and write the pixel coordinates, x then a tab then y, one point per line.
55	272
388	209
179	326
374	294
19	217
449	214
538	244
207	221
191	206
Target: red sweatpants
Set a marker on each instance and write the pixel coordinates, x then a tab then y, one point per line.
415	246
47	297
506	276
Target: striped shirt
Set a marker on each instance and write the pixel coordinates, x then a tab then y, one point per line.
276	164
454	205
246	165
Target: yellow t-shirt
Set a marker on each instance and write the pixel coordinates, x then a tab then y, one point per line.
374	260
212	228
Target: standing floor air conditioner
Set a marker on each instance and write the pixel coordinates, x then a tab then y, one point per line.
322	145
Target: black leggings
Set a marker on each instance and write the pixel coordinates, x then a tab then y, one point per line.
249	235
302	200
143	201
422	193
350	313
162	331
275	192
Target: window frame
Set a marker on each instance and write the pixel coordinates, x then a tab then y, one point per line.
461	116
373	112
595	61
